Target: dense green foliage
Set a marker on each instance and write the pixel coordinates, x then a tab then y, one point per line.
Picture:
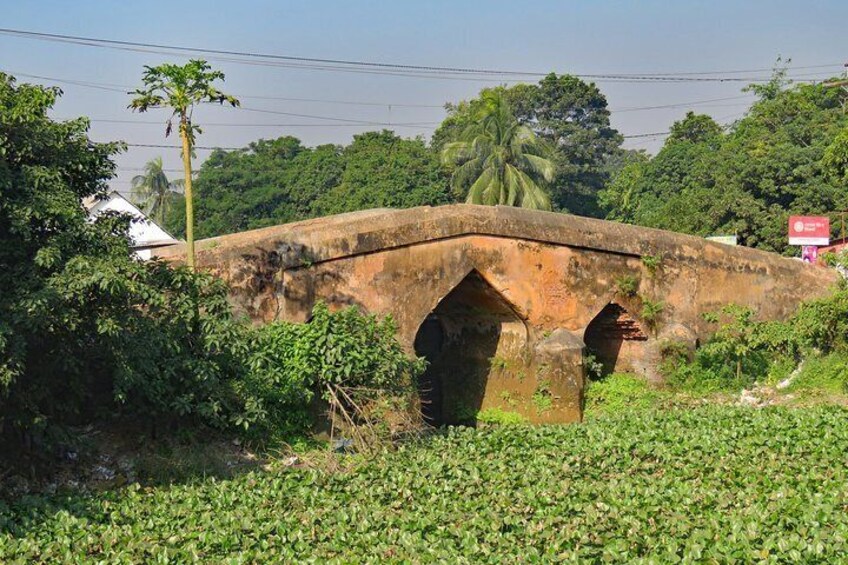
712	484
784	157
278	181
744	350
620	392
291	363
87	331
572	116
499	161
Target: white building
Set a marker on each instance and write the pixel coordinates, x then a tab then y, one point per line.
146	234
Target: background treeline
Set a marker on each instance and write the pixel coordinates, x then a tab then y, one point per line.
786	155
276	181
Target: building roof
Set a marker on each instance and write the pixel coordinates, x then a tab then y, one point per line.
144	232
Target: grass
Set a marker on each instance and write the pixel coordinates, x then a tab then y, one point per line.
711	484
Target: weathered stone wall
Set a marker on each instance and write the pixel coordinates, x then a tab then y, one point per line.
554	272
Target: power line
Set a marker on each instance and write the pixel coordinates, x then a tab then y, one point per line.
338	120
421	71
126	89
680	104
292	125
163	146
341	121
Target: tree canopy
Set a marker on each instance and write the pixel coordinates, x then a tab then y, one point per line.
277	181
83	325
498	160
784	157
572	116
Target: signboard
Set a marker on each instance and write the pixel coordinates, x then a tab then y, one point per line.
725	239
809	253
809	230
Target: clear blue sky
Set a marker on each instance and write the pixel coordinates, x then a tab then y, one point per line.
562	36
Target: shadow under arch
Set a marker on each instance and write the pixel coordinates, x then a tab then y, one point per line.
470	332
614	337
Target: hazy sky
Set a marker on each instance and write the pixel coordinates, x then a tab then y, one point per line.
539	36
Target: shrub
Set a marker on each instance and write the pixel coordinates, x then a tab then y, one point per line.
652	263
86	330
594	367
291	363
651	311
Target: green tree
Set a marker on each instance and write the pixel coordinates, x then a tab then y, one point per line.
84	326
695	128
181	88
382	169
153	192
498	160
572	116
277	181
784	157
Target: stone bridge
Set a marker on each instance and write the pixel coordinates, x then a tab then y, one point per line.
506	304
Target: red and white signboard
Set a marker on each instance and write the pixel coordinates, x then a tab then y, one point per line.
809	230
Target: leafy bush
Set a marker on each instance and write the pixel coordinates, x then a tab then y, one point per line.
652	263
714	484
744	350
594	367
290	363
651	311
86	330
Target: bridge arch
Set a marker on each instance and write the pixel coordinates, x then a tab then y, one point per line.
471	334
615	337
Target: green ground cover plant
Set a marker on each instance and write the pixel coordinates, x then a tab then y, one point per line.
825	374
712	484
620	392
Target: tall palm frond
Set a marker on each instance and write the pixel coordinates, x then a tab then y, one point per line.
500	161
152	191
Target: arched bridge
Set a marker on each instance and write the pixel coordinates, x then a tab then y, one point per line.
505	302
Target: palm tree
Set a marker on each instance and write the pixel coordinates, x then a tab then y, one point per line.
180	89
152	190
502	160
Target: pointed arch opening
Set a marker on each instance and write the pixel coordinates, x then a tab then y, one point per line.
616	339
473	331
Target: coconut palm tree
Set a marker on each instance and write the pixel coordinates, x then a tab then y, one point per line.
152	191
500	160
